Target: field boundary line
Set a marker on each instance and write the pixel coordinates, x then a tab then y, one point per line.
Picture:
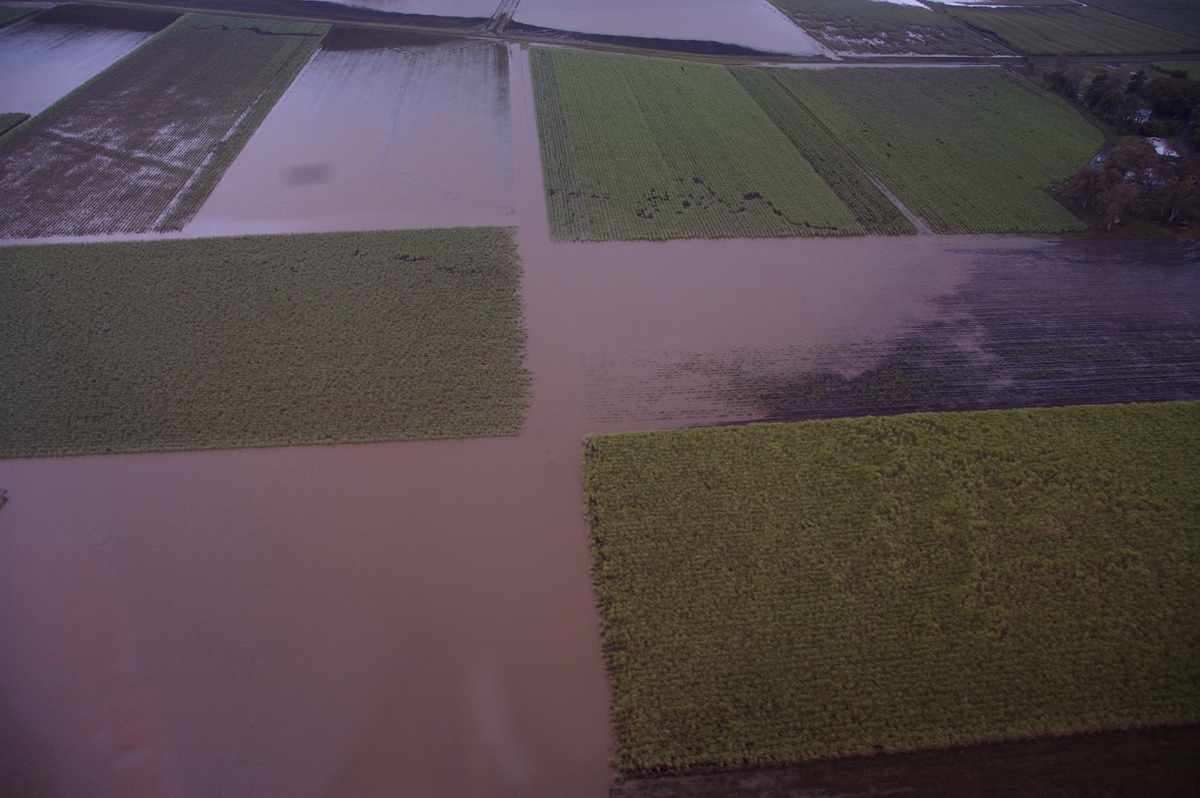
922	228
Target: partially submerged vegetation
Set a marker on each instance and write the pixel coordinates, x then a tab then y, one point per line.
643	148
781	593
260	341
141	145
971	150
1073	30
869	26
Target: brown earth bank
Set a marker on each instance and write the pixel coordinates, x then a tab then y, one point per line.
1129	764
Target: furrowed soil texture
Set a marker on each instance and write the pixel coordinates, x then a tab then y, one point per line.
260	341
1066	322
1075	30
781	593
971	150
141	145
643	148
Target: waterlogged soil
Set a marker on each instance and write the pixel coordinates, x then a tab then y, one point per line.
379	131
1028	324
46	55
754	24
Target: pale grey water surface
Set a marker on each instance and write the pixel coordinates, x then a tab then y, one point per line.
377	132
48	54
750	23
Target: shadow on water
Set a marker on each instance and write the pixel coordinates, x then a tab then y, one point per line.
381	130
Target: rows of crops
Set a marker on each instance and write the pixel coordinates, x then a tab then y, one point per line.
873	210
867	26
787	592
1182	16
142	144
642	148
1069	323
1070	30
259	341
971	150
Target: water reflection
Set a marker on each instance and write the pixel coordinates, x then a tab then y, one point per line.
751	23
379	131
47	55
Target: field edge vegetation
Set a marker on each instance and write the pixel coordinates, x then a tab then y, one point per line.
773	594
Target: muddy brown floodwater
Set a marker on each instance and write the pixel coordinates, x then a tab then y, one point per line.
416	618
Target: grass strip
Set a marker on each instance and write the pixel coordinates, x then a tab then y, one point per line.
139	146
260	341
971	150
874	211
9	121
645	148
780	593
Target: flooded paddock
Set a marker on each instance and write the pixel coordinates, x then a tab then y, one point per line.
44	56
755	24
378	131
417	618
440	8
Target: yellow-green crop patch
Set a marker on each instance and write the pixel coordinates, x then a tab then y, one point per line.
260	341
645	148
779	593
141	145
971	150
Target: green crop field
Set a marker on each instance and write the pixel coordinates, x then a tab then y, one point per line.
779	593
645	148
1073	30
971	150
873	210
141	145
868	26
260	341
1182	16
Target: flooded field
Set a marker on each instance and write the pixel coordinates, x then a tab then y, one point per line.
379	131
417	618
443	8
50	53
750	23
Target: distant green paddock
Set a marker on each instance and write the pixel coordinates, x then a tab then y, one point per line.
10	14
260	341
1073	30
1181	16
780	593
646	148
971	150
870	206
11	120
